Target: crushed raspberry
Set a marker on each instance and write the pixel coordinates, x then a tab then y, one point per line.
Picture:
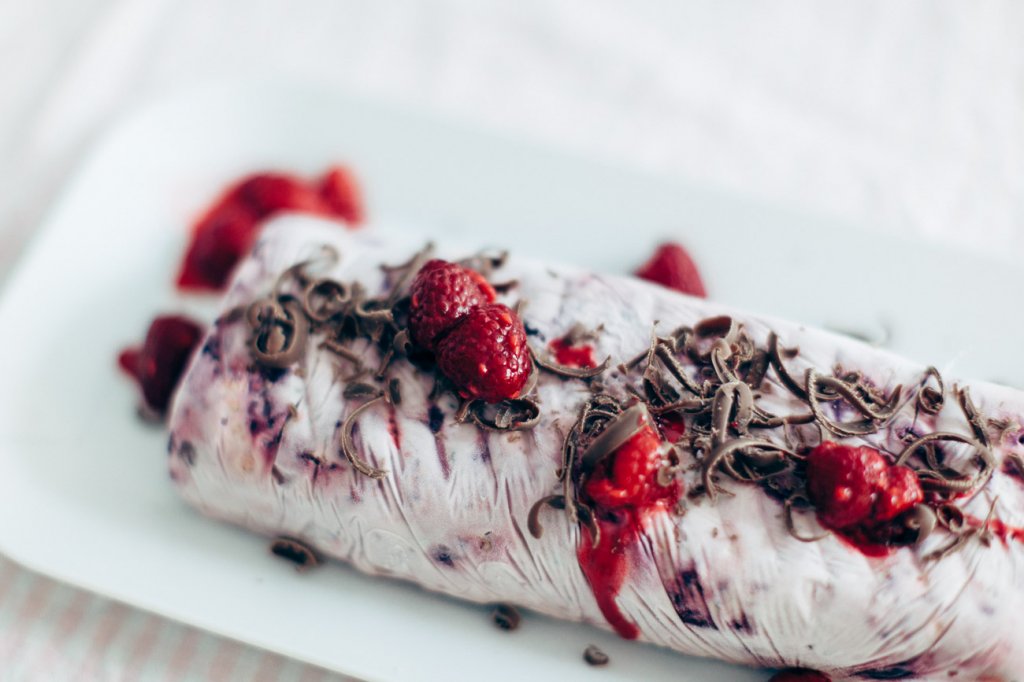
799	675
631	476
902	492
671	266
857	491
572	355
485	354
228	229
622	490
158	365
442	293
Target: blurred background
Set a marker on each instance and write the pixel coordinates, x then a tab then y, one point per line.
904	118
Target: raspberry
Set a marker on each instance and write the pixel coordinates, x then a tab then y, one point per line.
801	675
631	478
228	229
672	267
158	365
220	240
269	193
485	355
341	196
857	486
442	293
902	492
572	355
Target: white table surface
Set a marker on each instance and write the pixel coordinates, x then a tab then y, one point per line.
901	117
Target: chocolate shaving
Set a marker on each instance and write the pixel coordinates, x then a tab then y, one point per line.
359	390
348	447
279	332
325	298
299	272
335	347
514	414
413	266
295	551
937	479
974	419
484	263
921	520
394	393
844	430
665	353
929	399
505	287
594	656
533	518
563	370
757	369
620	429
586	515
506	617
733	406
722	455
791	522
791	384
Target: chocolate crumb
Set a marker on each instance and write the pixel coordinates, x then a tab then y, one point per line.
506	617
187	453
594	656
394	392
435	418
296	552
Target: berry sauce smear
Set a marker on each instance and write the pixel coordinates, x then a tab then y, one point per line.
623	491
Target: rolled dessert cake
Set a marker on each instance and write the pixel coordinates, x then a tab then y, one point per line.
724	484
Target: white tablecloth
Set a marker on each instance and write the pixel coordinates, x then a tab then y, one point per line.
901	117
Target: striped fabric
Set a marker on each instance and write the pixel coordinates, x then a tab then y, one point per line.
51	632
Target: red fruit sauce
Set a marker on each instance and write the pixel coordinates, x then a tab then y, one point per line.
623	491
228	228
569	355
801	675
671	266
158	364
672	426
857	493
1001	530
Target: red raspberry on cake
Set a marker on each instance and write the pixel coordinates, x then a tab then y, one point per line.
857	486
486	355
442	293
631	476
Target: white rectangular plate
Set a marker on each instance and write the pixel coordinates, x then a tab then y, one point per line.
83	490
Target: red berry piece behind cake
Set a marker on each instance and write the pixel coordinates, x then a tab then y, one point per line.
159	363
671	266
228	229
486	355
442	293
341	195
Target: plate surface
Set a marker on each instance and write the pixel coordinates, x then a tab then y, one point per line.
83	490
